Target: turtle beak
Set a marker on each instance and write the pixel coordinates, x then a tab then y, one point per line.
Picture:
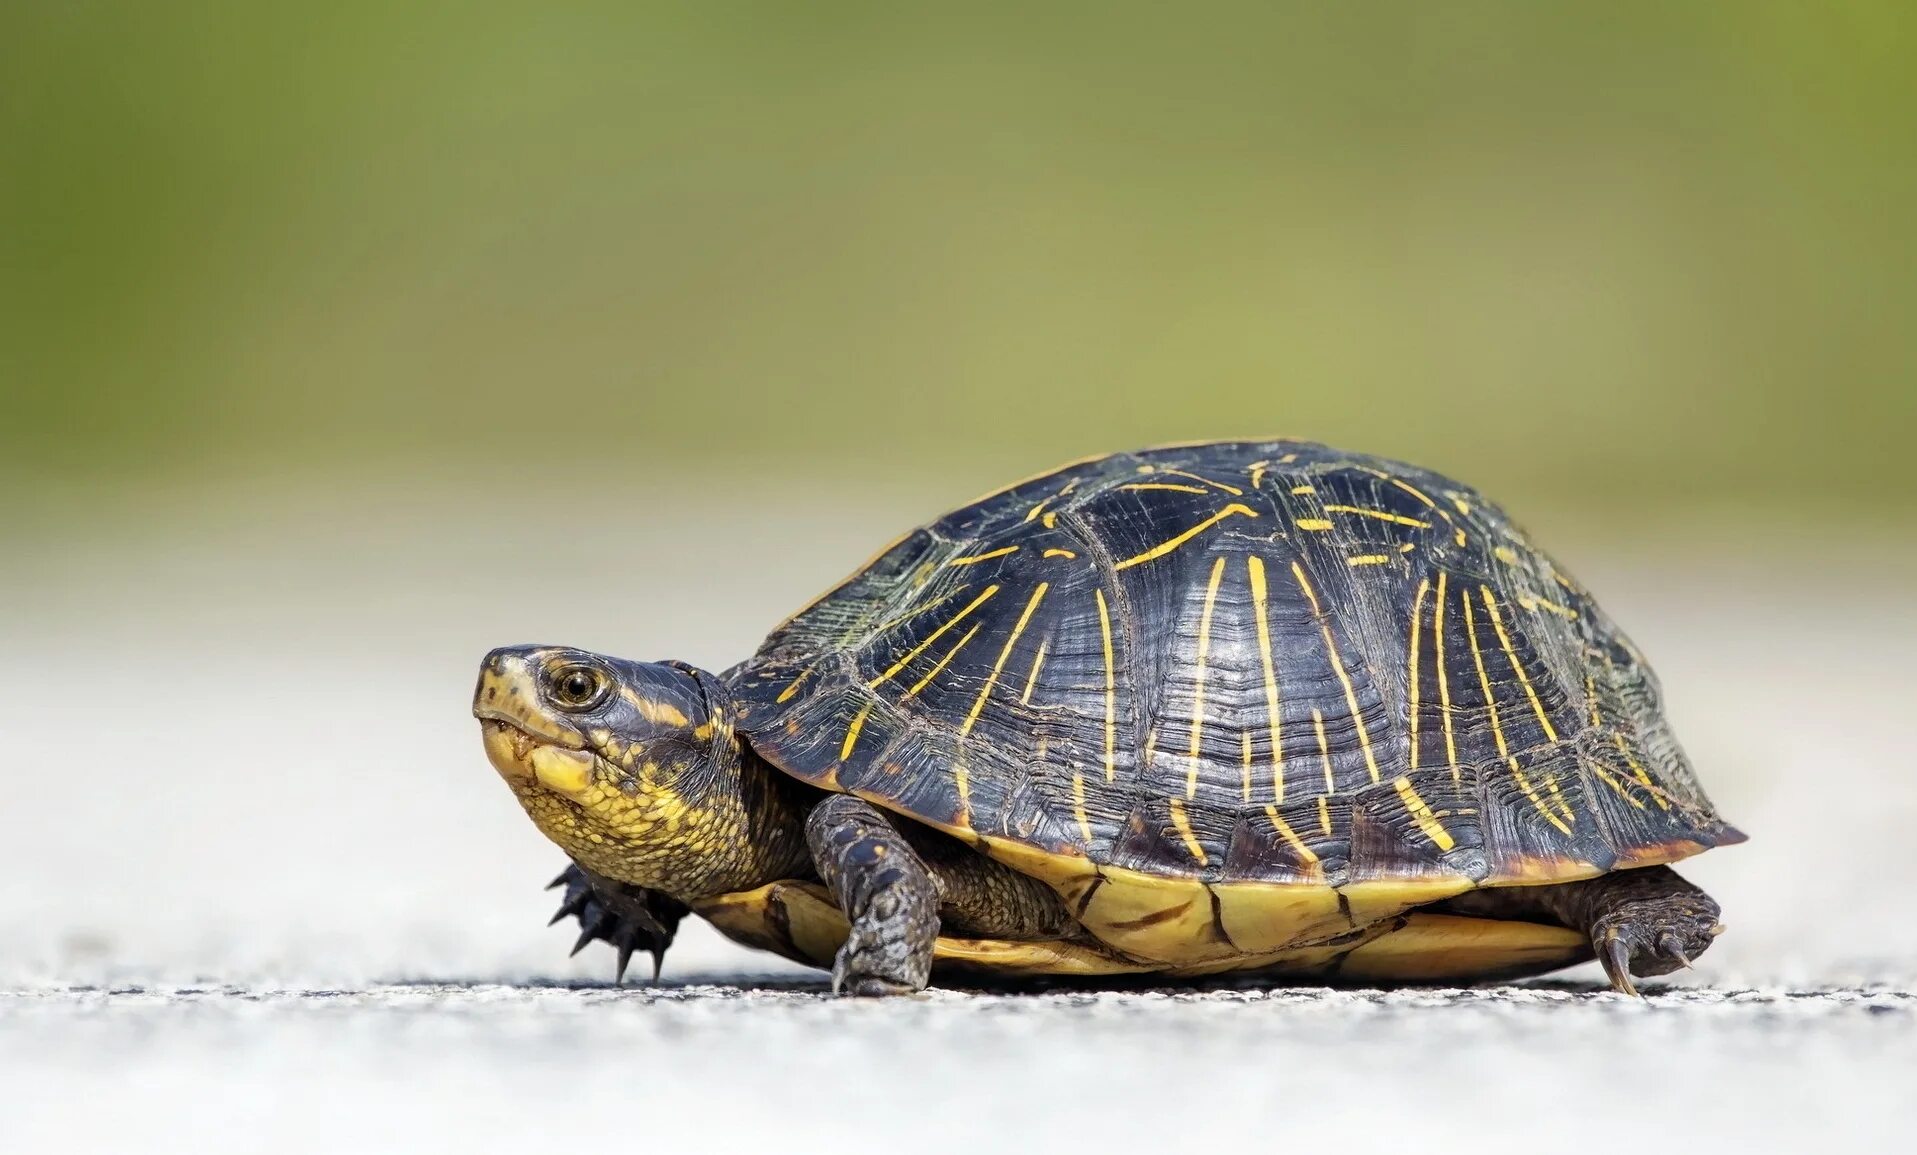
523	740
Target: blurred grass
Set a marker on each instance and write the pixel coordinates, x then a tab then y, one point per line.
1606	255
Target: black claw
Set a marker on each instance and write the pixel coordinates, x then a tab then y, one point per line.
619	968
1671	946
575	903
588	932
565	876
1616	958
658	962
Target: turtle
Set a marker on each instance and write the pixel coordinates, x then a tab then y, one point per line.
1258	709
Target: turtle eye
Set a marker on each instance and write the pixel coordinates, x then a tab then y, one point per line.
579	687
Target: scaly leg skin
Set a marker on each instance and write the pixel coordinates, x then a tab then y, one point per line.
631	918
1642	922
1647	922
980	898
887	895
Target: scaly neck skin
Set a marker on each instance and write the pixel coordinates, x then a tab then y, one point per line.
727	824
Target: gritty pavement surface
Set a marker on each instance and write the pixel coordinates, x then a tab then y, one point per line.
259	890
777	1065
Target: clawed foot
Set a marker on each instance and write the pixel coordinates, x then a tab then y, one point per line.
631	918
874	962
886	893
1653	935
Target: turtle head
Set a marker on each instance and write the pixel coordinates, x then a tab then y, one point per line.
629	766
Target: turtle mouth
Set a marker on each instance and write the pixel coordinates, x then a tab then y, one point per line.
519	743
524	758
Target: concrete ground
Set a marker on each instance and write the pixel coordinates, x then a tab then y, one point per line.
260	892
426	1066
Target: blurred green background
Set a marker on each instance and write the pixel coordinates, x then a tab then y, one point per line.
1607	258
340	343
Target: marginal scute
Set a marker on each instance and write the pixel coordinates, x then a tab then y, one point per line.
1437	948
1232	699
1259	918
799	921
1157	918
1372	899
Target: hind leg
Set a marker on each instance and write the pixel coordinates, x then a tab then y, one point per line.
1641	922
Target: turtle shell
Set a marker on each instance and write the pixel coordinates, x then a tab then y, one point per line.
1233	698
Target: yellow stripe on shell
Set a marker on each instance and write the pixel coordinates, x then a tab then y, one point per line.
1414	491
1400	482
1531	603
1338	666
933	637
1324	750
1524	679
1617	786
1166	547
1411	681
1638	771
1511	655
921	610
1381	515
942	662
987	556
792	688
1005	652
1175	488
1111	691
1031	679
1444	680
1218	485
1198	680
1285	832
1274	715
852	733
1183	822
1036	510
1420	811
1497	728
1078	805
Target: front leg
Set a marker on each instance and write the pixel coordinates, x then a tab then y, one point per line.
631	918
887	895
